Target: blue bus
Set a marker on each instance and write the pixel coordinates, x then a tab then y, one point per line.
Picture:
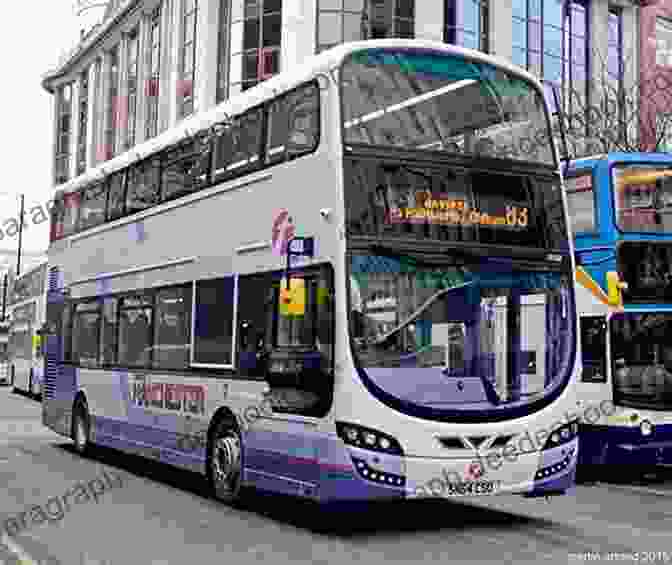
620	207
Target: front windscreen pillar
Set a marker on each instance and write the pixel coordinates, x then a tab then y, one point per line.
514	357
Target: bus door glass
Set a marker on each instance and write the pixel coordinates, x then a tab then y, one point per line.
300	344
594	349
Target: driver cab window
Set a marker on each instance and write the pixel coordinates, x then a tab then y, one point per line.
287	338
304	316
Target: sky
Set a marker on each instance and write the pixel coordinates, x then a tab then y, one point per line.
27	111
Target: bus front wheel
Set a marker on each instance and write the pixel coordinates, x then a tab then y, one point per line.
81	427
225	461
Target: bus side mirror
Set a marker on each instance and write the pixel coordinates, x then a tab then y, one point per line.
615	288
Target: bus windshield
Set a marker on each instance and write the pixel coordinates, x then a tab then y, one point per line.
642	359
643	197
458	334
426	100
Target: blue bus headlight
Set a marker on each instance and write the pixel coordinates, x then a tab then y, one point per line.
366	438
562	435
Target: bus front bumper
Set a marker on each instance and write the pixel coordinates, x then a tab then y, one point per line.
531	474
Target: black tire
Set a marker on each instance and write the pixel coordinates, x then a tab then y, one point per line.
81	428
586	473
224	461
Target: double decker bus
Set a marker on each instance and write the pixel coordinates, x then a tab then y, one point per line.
621	208
352	281
27	313
4	355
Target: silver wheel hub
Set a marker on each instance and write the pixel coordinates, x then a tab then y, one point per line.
80	432
226	460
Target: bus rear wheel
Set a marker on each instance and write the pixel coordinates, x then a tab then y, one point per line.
225	461
81	428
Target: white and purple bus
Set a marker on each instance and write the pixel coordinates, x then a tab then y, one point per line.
27	312
352	281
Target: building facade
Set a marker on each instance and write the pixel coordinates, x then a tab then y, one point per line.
655	74
150	63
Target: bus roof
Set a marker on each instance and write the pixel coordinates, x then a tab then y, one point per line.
618	157
276	85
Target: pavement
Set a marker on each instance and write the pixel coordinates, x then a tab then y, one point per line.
159	515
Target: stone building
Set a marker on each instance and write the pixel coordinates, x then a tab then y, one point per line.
147	64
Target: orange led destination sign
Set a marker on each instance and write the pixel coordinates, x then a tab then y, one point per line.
642	176
438	210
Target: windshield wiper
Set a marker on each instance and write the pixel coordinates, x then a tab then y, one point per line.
419	256
470	255
414	316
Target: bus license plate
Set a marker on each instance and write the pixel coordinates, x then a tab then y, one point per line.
472	488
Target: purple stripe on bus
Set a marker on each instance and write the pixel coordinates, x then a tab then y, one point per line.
138	231
340	488
282	464
103	286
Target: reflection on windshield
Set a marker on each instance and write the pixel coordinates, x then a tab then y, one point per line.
471	336
643	196
642	357
423	99
646	266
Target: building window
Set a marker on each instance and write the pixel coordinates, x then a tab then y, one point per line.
615	50
83	121
185	83
132	86
538	37
339	21
153	65
615	64
261	40
99	110
575	58
63	126
550	39
354	20
663	42
466	23
388	18
111	111
224	48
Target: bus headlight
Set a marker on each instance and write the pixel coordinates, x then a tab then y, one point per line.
646	428
366	438
562	435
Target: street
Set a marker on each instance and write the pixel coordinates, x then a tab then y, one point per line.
156	515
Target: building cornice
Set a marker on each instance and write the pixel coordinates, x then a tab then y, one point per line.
95	37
